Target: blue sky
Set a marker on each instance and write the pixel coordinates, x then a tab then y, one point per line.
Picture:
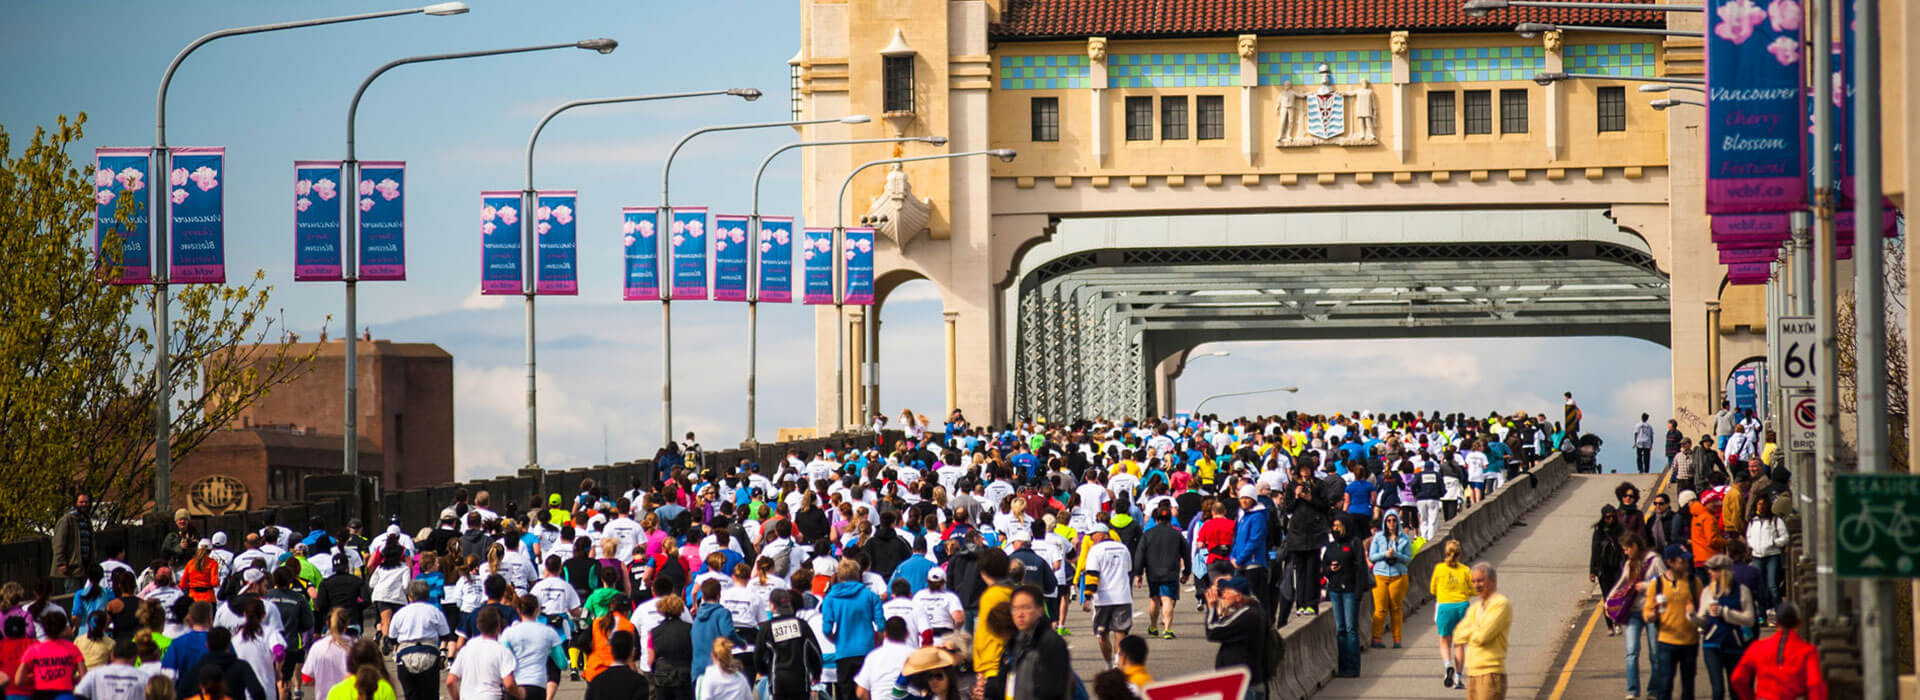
462	127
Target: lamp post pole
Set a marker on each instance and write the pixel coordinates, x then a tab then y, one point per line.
529	201
1203	402
350	225
839	268
158	218
753	266
663	222
1878	639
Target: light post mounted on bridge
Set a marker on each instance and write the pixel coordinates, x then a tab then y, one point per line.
1481	8
160	163
1530	30
1551	77
527	243
1878	638
753	266
349	222
663	220
1203	402
1665	103
839	267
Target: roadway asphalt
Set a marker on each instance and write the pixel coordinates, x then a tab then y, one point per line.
1542	570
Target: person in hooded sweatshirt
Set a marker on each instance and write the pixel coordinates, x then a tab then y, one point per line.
789	655
885	548
851	615
710	621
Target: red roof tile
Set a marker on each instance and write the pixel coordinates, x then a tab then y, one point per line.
1049	19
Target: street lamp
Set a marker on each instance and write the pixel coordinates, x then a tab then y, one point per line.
1666	102
664	220
1217	353
528	204
162	162
1665	88
1481	8
753	269
1545	78
1203	402
350	226
1006	155
1532	29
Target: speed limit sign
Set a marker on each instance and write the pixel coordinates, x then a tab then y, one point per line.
1797	344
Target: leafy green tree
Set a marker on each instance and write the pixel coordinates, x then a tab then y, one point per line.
77	388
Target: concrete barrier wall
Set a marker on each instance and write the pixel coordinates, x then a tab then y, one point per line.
29	560
1311	654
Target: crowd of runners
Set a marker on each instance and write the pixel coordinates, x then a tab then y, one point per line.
949	564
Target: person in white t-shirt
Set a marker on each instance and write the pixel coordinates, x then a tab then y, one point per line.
119	680
901	605
882	665
1107	591
484	669
538	654
938	609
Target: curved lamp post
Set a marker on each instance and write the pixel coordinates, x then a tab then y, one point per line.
350	221
1203	402
160	164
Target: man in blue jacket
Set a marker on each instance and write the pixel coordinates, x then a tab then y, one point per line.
711	621
852	616
1250	540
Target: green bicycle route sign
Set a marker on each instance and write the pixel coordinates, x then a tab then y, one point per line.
1877	525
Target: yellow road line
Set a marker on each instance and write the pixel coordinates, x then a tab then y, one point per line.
1573	658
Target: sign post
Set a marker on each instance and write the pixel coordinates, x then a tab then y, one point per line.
1798	339
1225	684
1877	537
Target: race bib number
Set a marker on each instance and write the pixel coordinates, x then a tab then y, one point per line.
786	630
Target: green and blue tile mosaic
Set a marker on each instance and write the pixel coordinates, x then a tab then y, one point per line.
1164	70
1301	68
1623	60
1044	72
1476	64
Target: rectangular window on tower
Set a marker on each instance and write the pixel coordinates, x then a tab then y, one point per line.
1613	108
1440	113
1479	111
1211	111
1513	111
1046	118
896	73
1139	119
1173	118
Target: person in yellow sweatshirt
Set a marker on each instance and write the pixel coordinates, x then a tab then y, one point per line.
1669	608
1451	586
1482	636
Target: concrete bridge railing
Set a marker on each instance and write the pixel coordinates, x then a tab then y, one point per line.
27	561
1311	653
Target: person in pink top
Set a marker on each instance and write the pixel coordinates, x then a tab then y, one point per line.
49	669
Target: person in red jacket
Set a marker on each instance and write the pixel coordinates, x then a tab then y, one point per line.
1781	667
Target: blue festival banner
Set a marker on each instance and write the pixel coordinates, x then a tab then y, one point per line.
816	264
500	251
729	257
1755	134
859	255
1746	384
196	236
120	174
553	233
383	221
776	259
642	277
689	251
316	221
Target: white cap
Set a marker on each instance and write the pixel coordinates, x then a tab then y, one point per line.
393	529
253	575
936	574
220	538
1248	491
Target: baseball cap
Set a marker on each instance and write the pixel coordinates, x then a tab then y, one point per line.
1238	583
1674	551
1248	491
206	543
936	574
220	538
553	499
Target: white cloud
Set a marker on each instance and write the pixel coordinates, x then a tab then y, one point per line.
476	300
1651	396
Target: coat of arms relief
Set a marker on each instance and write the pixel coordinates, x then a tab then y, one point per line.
1325	115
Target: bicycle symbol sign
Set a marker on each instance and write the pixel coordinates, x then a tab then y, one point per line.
1879	535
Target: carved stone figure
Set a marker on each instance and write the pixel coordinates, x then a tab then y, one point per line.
1097	49
1551	40
1248	43
1363	110
1397	42
1284	106
896	213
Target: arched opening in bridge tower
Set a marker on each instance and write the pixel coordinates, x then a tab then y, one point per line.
1613	379
913	353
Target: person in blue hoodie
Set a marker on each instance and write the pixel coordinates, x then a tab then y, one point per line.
852	616
1250	540
711	621
914	569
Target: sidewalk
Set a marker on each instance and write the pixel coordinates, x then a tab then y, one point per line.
1543	571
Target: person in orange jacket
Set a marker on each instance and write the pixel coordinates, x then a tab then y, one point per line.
201	575
1784	665
1703	520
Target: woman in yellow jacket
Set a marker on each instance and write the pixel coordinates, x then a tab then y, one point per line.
1451	586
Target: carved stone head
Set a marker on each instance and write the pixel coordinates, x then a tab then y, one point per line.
1248	43
1551	40
1397	41
1097	49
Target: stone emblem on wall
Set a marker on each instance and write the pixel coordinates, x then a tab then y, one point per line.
216	495
1325	116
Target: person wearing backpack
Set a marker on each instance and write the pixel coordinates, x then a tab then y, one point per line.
1725	615
1669	608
